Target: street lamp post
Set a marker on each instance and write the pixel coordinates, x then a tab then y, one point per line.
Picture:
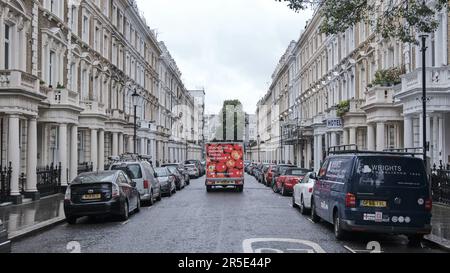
259	148
135	103
424	98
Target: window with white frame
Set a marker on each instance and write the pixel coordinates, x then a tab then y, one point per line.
85	33
74	19
84	84
114	15
106	46
52	68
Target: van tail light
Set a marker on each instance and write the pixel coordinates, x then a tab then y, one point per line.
146	184
428	204
350	200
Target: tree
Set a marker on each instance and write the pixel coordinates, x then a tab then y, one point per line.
398	19
232	110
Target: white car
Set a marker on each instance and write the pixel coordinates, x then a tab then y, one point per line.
303	192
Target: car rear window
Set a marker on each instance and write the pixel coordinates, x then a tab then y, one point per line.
132	170
379	172
297	172
95	178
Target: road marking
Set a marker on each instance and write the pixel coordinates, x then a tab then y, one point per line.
349	249
247	244
126	222
309	219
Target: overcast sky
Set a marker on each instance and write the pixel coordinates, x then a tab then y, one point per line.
229	47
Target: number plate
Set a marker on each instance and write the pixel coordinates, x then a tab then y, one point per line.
92	196
225	183
374	204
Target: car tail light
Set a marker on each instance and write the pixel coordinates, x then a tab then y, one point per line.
428	204
115	191
310	190
350	200
68	194
146	184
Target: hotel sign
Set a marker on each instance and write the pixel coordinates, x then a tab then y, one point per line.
334	123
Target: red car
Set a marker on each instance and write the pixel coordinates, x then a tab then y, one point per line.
269	175
288	179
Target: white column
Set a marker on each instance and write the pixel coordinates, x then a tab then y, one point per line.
130	144
380	136
318	151
143	146
63	152
345	137
441	139
435	140
333	139
121	144
32	155
74	152
429	137
408	132
115	144
94	149
101	150
327	142
308	154
370	137
352	136
420	131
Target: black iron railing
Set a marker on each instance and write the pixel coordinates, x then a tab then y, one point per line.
5	182
85	167
49	179
440	184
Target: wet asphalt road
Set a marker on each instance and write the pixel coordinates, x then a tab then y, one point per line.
194	221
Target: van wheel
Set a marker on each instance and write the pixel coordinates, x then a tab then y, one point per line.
208	188
415	240
339	233
314	217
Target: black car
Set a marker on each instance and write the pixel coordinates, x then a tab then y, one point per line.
180	181
198	164
373	192
101	193
167	180
181	169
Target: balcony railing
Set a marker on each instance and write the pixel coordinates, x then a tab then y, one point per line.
62	96
380	95
93	107
18	80
436	77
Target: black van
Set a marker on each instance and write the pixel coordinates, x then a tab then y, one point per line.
379	192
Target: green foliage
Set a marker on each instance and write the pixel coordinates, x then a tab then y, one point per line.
343	107
399	21
389	77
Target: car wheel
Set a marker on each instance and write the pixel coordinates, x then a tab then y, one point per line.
294	205
169	194
160	195
314	217
339	233
283	191
275	188
138	205
125	213
240	188
152	200
303	209
208	188
72	220
415	240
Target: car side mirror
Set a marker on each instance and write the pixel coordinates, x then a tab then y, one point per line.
155	175
133	184
313	176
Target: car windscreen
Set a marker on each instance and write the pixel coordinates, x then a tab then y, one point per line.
390	172
172	169
132	170
162	172
94	178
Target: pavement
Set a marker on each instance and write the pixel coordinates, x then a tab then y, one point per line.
194	221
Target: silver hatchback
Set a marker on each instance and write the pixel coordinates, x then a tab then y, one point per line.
143	174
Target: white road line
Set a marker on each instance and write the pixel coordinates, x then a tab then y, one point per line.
126	222
349	249
309	219
247	244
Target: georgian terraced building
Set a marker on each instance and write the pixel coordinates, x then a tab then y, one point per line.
68	70
334	98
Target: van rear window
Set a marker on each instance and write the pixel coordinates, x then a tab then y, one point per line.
390	172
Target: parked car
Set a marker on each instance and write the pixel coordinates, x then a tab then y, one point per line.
192	170
288	179
263	174
302	196
101	193
198	164
269	175
143	174
278	170
167	180
251	168
179	178
373	192
181	169
257	171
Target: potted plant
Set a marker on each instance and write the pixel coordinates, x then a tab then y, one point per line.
342	108
60	86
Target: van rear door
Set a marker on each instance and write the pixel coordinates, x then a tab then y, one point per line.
391	190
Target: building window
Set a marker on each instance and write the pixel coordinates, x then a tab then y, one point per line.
86	29
73	18
7	46
51	67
